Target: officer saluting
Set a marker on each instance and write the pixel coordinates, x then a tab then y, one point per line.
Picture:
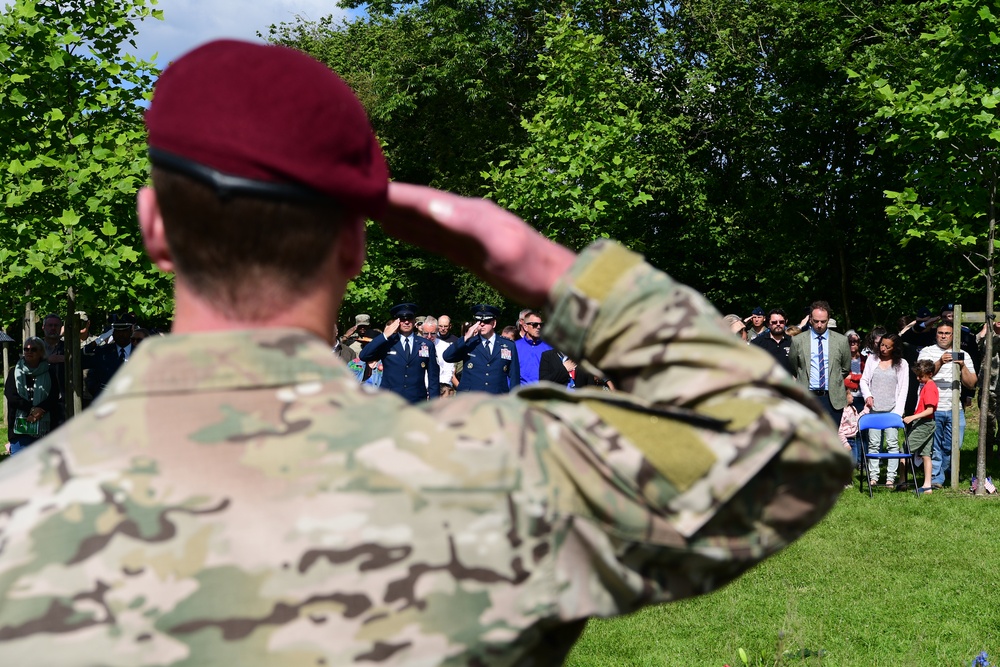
489	362
409	363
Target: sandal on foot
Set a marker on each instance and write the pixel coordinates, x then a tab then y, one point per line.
924	490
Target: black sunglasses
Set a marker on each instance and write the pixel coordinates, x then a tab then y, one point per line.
533	324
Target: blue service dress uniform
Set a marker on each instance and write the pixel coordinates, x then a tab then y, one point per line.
102	366
497	373
414	377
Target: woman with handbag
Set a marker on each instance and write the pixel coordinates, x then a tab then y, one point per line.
32	393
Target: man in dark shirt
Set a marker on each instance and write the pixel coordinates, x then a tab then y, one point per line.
444	330
775	341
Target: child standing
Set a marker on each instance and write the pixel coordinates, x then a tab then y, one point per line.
920	424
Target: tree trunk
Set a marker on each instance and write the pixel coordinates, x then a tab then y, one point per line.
74	371
846	324
29	325
956	399
985	392
3	402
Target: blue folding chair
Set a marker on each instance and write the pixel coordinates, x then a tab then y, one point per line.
881	421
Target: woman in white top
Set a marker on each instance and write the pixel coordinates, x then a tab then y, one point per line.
884	384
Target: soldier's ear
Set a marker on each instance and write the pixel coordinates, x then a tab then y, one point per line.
153	235
351	246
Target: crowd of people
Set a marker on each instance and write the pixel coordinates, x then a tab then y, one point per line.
908	370
35	385
417	357
421	358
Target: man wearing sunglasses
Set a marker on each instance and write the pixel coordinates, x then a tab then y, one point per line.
776	341
409	361
530	347
489	362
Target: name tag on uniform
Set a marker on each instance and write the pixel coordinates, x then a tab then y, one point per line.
505	353
423	352
392	351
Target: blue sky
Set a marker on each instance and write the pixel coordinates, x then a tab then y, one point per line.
187	23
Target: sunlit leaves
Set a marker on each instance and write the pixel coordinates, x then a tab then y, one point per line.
73	156
583	168
942	127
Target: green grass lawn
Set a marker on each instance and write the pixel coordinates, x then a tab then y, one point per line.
894	580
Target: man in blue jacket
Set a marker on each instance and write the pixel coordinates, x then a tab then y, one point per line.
409	363
489	362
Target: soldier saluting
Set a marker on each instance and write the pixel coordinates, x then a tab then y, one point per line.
409	361
489	362
236	497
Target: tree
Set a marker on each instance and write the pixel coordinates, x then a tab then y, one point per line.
792	193
939	118
71	105
736	119
582	172
446	85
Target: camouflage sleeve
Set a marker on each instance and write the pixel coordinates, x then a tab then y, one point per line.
708	460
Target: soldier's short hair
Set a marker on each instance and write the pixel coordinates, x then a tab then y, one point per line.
234	251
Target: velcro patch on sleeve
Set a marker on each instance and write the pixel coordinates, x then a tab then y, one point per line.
673	448
597	279
737	413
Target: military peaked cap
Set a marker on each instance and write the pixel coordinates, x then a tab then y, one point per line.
404	310
482	312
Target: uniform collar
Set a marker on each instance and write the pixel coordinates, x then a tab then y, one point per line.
226	360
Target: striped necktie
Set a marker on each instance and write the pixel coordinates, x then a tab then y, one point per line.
822	362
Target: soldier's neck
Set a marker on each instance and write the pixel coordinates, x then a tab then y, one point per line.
314	311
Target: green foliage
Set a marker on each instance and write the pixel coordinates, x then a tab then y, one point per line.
939	116
451	88
793	204
722	139
580	176
73	158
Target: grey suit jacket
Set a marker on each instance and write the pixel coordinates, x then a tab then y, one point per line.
838	354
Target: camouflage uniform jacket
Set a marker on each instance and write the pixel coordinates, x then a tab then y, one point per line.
236	498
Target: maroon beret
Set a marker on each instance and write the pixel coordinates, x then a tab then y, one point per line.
268	120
